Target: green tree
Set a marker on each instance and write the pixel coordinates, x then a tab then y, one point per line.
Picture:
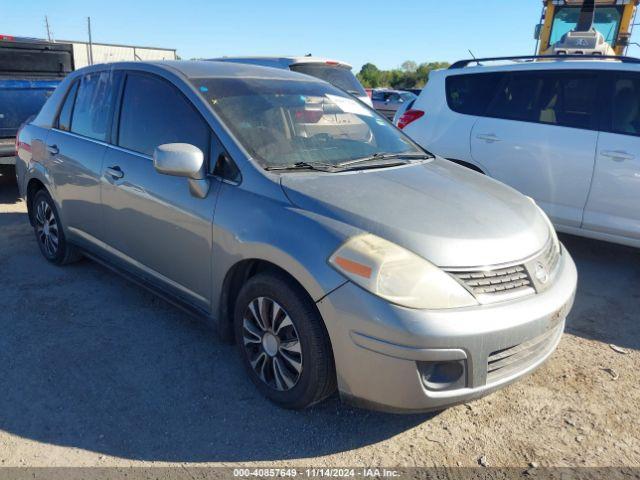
409	75
369	75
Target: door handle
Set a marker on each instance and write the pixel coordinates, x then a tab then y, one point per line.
53	149
115	172
488	137
617	155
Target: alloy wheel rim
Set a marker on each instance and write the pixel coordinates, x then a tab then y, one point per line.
272	344
47	228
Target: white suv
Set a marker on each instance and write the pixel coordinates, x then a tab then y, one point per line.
565	132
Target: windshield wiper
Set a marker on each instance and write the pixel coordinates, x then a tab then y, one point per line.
383	157
321	167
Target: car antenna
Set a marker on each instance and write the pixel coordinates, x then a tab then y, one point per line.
473	56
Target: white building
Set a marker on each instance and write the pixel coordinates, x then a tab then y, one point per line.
83	53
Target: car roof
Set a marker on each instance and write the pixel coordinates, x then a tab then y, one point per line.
551	64
285	61
207	69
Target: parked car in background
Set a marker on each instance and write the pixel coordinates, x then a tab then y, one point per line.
387	101
29	73
564	132
348	259
335	72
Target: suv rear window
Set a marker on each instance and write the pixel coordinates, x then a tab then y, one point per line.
471	94
340	77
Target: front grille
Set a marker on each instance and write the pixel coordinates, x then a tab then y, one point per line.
503	280
502	363
494	285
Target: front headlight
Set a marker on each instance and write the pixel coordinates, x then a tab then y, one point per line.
398	275
552	231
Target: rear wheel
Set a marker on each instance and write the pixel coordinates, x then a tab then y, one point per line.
49	233
283	342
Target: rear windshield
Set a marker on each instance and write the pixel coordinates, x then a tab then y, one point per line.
341	77
282	122
20	99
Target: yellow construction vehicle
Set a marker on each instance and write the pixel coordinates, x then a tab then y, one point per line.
585	27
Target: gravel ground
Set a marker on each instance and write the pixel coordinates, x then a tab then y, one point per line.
95	371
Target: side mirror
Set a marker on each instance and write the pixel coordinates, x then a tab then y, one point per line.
183	160
536	32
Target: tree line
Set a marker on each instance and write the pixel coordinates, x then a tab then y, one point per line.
409	75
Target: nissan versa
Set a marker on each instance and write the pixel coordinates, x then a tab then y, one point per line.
338	254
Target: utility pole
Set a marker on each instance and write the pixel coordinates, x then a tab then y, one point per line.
46	22
90	43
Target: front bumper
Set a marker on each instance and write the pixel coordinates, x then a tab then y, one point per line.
378	346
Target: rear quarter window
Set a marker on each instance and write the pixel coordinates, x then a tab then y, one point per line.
94	104
471	93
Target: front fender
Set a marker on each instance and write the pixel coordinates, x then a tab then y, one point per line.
249	226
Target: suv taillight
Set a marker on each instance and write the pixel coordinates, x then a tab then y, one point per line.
408	117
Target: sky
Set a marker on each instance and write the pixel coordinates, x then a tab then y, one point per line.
385	33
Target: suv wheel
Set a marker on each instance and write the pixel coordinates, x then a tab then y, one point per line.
283	342
49	233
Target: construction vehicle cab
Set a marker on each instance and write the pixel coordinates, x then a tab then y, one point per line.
588	27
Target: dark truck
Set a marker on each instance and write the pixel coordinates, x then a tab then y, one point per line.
30	70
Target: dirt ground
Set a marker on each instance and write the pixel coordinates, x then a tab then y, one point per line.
95	371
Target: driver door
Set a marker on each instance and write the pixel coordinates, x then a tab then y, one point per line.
153	224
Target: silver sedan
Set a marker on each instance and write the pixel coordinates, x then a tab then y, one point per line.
337	253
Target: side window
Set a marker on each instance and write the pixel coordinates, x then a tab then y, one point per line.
516	98
568	99
64	118
154	112
471	94
94	105
563	98
624	115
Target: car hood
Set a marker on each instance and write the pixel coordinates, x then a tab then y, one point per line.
448	214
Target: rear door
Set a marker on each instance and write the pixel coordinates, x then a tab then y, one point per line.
614	201
76	145
539	136
153	224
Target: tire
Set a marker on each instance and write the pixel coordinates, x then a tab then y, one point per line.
272	363
49	233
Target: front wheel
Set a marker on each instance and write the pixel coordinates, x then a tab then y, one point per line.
283	342
49	234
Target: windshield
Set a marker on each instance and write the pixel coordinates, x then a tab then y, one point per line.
607	22
341	77
284	122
